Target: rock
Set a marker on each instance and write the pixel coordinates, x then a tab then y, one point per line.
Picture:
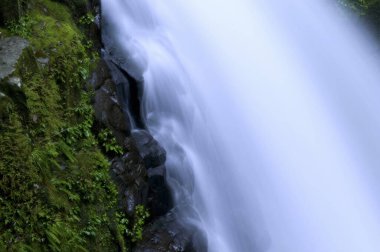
157	171
43	61
34	118
15	81
15	58
100	75
135	185
159	197
138	185
11	49
129	90
108	110
168	234
150	150
130	178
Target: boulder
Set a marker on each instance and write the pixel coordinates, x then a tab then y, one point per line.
108	110
150	150
129	89
138	185
11	49
129	92
14	52
100	75
130	177
168	234
159	196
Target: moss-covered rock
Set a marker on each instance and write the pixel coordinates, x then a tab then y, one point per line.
14	51
55	190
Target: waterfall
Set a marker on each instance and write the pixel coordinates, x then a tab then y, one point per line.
269	113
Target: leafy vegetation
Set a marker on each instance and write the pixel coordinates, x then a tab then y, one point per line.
55	190
87	19
22	27
141	215
108	141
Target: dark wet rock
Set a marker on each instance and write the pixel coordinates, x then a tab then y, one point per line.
140	173
168	234
108	110
138	185
11	49
100	75
150	150
130	176
157	171
159	196
129	93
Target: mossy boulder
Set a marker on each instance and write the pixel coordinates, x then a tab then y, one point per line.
14	52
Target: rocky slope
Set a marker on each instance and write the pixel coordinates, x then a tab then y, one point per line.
78	169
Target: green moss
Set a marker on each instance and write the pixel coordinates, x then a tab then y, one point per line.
20	180
57	194
49	33
78	7
53	9
3	32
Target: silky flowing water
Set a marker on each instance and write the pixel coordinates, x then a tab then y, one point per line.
270	115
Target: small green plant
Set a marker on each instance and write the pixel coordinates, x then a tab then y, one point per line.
133	228
141	215
108	142
123	224
62	238
22	27
87	19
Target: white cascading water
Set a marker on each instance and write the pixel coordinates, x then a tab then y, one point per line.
269	112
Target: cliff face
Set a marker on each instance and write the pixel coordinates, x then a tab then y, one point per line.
56	192
74	173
